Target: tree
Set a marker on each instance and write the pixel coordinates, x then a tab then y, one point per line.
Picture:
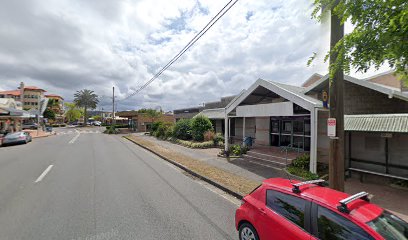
86	99
97	118
49	114
73	113
380	34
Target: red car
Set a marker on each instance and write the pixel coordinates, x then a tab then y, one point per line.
282	209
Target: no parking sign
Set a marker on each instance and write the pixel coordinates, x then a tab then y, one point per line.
331	127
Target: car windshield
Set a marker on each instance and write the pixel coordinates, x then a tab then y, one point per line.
390	227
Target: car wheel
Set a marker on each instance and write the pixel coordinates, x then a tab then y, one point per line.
247	232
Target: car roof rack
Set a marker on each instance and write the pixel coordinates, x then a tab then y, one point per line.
343	203
296	186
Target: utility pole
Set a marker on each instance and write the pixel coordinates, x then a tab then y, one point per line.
336	92
113	107
38	115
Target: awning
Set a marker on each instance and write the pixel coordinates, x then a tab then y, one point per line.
397	123
215	113
12	112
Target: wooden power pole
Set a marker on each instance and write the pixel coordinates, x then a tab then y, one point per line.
336	91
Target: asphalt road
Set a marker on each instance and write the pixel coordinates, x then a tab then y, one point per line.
87	185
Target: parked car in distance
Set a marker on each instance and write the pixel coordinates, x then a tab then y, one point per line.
97	123
30	126
16	138
282	209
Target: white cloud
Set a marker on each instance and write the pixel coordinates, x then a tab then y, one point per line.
66	45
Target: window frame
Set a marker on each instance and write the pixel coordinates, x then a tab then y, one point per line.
307	225
314	220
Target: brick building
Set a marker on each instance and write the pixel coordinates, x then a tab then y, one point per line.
142	122
281	115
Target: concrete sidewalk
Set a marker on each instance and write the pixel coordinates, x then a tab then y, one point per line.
38	134
384	195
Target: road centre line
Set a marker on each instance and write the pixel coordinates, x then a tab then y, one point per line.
43	174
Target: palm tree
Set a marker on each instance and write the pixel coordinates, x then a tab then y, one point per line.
86	99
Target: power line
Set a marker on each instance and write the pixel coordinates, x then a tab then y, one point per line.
215	19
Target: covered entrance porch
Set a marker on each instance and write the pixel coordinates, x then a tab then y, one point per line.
282	118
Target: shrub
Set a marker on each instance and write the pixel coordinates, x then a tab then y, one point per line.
182	129
207	144
302	162
163	130
169	132
236	150
155	126
209	136
111	130
218	139
305	174
199	126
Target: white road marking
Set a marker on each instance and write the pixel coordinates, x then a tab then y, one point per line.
74	138
44	173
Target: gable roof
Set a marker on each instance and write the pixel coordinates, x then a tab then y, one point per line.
292	93
312	79
390	91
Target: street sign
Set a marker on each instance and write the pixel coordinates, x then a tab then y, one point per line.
386	135
331	127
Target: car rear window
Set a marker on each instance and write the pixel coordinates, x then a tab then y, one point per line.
288	206
390	227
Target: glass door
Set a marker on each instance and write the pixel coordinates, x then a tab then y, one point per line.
275	133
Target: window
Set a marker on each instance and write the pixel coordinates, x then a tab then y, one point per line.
285	140
286	126
307	127
390	227
372	143
298	126
290	207
332	226
275	126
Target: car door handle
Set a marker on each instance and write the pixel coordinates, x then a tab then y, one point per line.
262	211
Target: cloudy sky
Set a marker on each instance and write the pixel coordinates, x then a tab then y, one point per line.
68	45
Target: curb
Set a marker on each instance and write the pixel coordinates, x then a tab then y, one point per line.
215	184
42	136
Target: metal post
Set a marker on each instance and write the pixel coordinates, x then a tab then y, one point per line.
243	128
113	107
349	149
387	171
226	134
336	86
38	115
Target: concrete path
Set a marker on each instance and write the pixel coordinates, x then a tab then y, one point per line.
234	165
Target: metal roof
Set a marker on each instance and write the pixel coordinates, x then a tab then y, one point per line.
215	113
397	123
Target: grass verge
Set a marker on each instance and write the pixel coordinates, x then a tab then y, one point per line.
233	182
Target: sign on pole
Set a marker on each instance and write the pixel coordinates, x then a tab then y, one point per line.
331	127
